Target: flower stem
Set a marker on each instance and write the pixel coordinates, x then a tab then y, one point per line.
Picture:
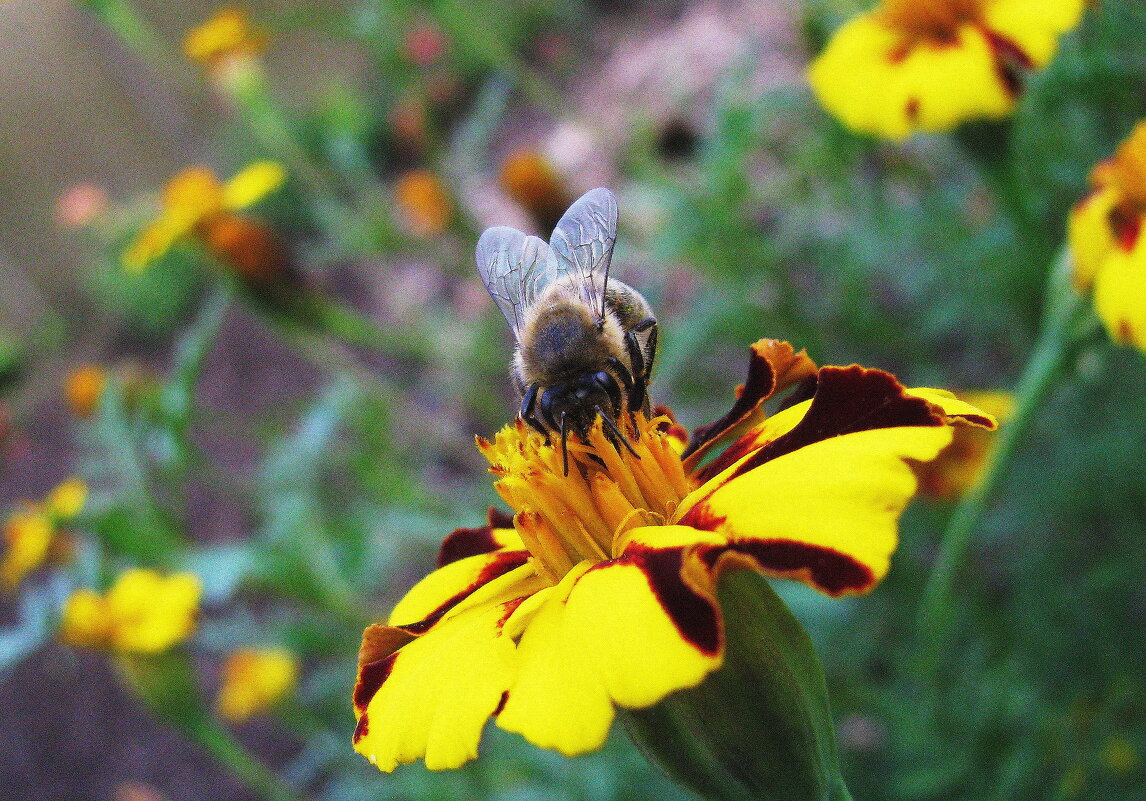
223	746
1067	320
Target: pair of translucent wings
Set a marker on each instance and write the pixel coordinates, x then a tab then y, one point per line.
517	268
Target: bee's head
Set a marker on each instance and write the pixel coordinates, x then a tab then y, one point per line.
578	401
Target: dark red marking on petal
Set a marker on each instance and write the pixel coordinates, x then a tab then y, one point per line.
362	728
760	384
847	400
773	366
465	542
911	109
695	616
1011	61
899	53
1126	224
500	564
499	519
728	457
829	570
701	517
371	677
500	703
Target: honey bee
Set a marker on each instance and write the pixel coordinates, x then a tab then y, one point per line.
585	342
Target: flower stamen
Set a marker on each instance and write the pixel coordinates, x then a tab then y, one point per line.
564	519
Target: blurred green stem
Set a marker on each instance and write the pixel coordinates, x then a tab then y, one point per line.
137	35
223	746
1067	320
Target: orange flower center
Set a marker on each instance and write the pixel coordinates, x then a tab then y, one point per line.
932	20
566	519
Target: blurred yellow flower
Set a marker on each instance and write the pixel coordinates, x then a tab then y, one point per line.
960	464
424	202
194	201
255	679
83	389
225	36
144	612
929	65
32	533
1105	240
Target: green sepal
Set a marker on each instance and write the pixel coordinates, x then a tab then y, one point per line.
758	728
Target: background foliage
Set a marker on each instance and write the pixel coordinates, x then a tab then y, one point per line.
306	460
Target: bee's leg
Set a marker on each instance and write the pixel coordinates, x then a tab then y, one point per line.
642	359
616	432
564	446
528	402
650	353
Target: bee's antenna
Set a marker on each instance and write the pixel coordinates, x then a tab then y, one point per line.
616	432
564	446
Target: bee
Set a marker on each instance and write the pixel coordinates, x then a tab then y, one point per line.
585	342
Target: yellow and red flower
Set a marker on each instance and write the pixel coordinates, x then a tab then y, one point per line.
929	65
144	612
197	204
1106	241
601	591
34	532
424	202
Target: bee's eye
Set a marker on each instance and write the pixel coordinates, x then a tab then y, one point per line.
603	379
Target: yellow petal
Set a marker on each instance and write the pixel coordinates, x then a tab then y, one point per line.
1120	295
431	699
67	499
28	533
579	657
1034	25
193	194
1090	235
969	412
252	184
85	620
150	612
825	513
151	243
444	588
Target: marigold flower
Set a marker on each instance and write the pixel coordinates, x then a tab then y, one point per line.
1106	243
196	203
424	202
601	591
960	464
225	36
144	612
255	679
929	65
33	533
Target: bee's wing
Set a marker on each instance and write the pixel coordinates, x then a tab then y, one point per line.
582	244
514	268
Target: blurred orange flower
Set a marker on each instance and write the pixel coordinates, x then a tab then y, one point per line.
424	202
255	679
226	36
529	178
